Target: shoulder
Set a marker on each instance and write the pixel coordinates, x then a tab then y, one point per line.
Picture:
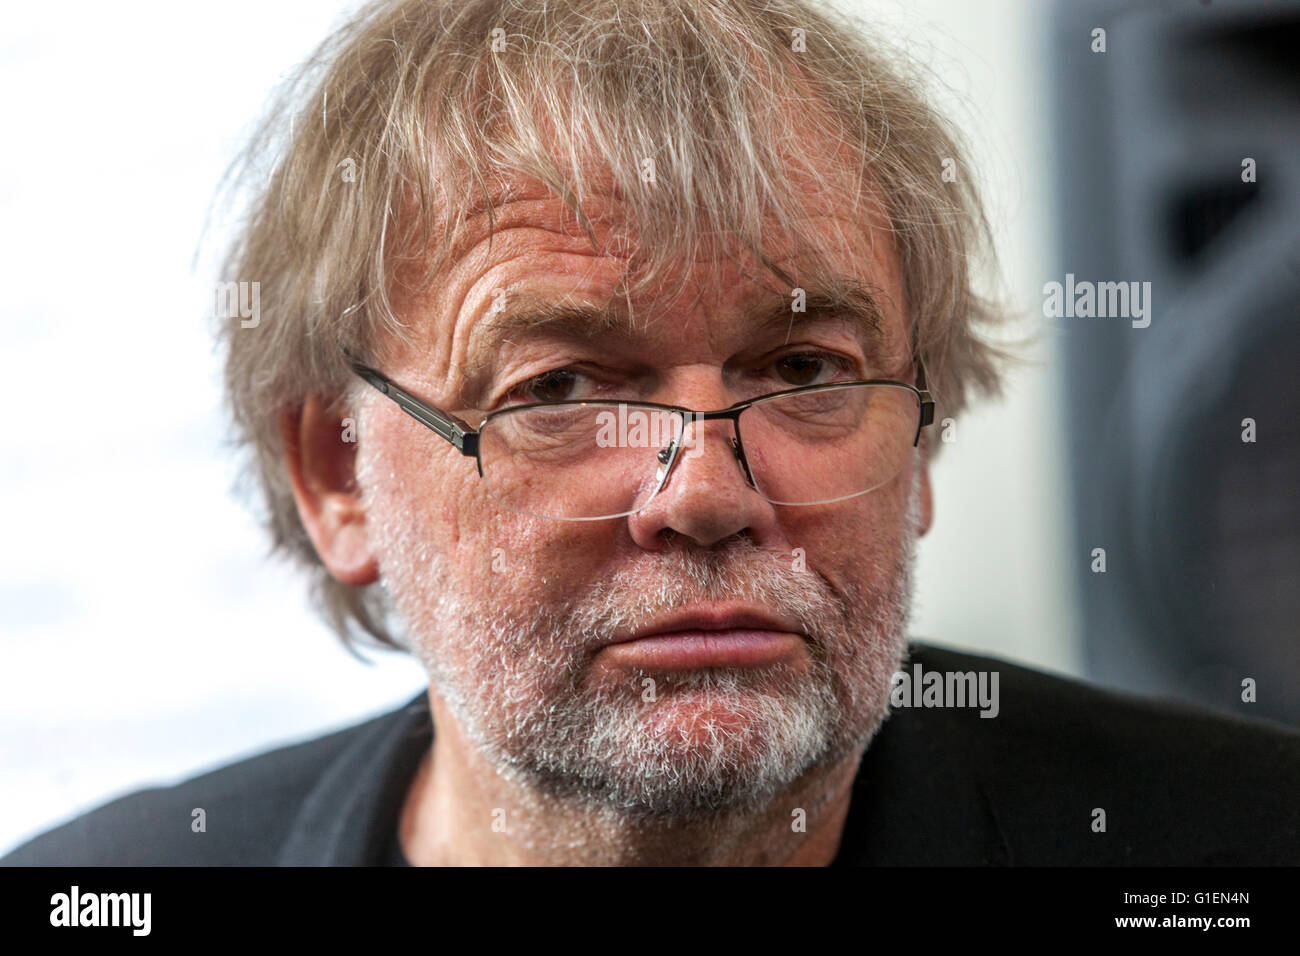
251	804
1078	774
1038	709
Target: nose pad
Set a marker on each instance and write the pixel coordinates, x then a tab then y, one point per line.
739	452
665	458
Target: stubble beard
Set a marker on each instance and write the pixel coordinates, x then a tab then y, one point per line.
518	678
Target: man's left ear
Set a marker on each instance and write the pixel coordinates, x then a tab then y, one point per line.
321	462
927	498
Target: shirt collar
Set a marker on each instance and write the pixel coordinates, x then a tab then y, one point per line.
347	817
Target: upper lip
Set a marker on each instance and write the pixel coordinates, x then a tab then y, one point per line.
710	618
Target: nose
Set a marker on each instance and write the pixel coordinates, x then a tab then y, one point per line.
707	497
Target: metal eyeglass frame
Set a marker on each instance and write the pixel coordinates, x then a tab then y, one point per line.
465	438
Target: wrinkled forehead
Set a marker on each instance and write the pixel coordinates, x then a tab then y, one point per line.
651	268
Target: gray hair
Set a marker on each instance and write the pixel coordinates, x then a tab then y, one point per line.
402	123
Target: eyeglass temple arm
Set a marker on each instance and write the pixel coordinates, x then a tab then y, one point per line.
455	431
927	402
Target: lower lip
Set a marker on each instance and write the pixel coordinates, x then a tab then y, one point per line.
682	650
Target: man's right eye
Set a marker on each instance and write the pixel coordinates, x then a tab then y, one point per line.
556	385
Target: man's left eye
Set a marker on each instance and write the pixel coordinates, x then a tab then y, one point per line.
806	368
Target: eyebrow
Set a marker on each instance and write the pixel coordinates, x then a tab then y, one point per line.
849	299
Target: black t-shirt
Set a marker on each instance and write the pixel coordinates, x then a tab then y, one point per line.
393	855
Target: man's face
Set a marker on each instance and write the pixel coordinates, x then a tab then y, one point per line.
522	621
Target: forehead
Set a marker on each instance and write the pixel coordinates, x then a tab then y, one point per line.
522	242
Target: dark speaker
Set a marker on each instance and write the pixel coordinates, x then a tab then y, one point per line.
1177	130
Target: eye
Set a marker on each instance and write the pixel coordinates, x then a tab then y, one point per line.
807	368
557	385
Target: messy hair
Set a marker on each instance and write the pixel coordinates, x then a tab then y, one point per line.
411	117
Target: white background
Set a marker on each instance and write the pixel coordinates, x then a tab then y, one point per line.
144	636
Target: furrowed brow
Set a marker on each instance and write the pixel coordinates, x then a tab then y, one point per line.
853	301
530	313
846	300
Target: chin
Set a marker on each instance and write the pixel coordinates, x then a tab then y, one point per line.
702	749
697	719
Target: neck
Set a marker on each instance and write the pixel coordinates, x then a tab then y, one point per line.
460	811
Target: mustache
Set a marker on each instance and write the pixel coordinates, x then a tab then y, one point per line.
632	596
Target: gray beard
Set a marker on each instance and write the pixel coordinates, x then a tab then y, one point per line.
722	740
714	741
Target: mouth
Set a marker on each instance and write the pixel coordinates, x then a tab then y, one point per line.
708	636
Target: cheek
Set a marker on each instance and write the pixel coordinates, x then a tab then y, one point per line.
856	542
413	489
491	555
537	561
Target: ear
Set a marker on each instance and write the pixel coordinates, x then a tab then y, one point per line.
927	497
321	467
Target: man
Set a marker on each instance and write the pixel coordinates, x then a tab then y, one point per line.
597	351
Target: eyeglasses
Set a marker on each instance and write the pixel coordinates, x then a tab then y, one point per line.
602	459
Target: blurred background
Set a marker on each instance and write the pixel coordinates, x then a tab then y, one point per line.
146	636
